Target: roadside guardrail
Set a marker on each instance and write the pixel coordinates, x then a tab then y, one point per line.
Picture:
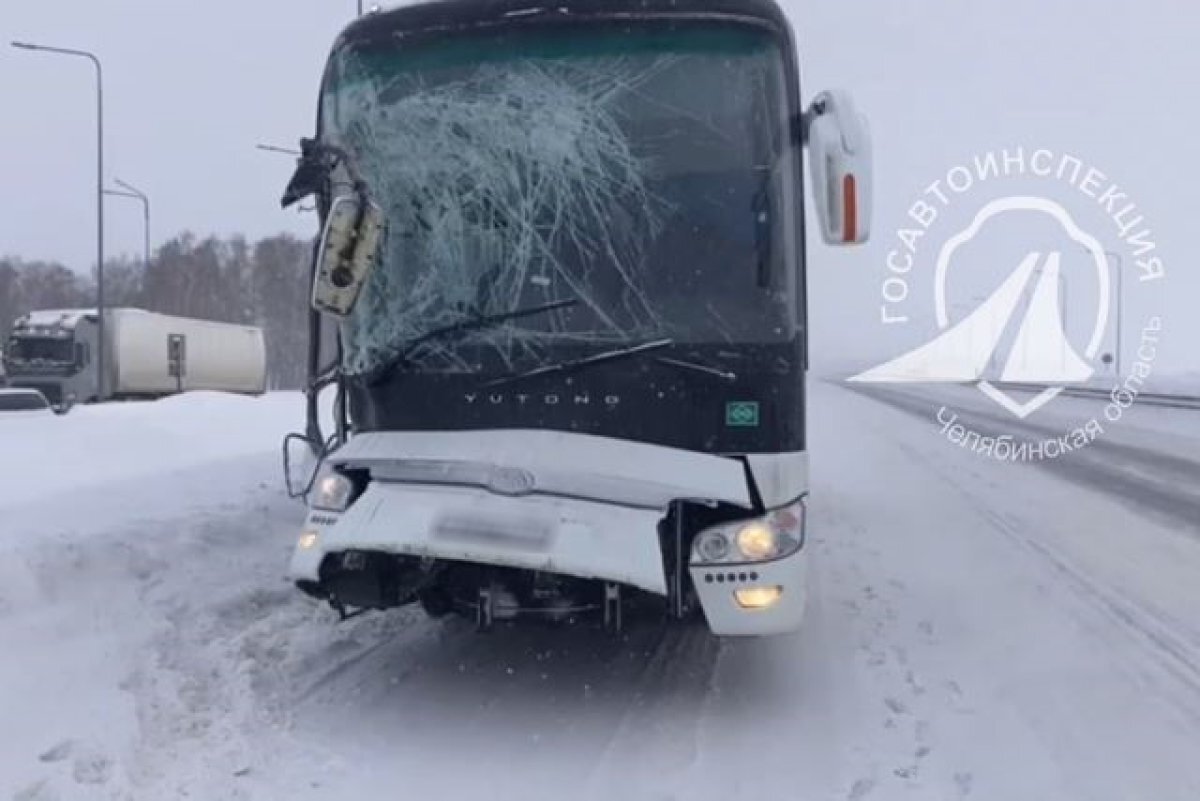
1151	398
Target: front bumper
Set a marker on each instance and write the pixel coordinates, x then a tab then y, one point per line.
568	536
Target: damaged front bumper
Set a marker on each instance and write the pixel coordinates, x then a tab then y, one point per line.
574	537
585	508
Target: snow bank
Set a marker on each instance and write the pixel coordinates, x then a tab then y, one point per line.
54	456
966	617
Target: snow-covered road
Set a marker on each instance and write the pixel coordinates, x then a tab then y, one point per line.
977	630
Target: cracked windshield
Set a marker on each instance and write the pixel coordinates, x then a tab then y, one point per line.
653	400
636	172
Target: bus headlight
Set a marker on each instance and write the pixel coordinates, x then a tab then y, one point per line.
778	534
712	546
332	492
757	541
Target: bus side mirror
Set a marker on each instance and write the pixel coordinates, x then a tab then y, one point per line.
839	160
349	248
301	460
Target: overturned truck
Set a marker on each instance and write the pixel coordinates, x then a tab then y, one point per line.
563	251
146	355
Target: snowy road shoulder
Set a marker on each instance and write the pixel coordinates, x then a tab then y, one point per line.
126	529
1142	464
1062	621
47	460
976	631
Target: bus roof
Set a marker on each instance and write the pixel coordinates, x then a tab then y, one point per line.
448	15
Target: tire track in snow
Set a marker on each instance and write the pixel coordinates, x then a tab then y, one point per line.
527	701
227	644
1166	642
907	701
676	687
973	625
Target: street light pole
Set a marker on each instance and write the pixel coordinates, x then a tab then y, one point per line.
277	149
145	220
1112	255
100	360
140	195
1120	302
1062	314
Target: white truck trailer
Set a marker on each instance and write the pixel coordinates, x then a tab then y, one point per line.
147	355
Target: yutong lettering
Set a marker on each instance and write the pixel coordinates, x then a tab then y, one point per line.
549	399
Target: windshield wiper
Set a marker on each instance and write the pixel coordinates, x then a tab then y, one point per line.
586	361
402	352
724	375
635	350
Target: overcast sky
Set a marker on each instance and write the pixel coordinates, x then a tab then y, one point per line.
192	85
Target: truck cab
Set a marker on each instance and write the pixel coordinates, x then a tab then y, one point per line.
564	256
52	351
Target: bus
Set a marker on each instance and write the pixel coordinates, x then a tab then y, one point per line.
563	254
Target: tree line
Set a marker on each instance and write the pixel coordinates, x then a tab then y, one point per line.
231	280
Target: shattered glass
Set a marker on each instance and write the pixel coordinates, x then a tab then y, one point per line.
624	171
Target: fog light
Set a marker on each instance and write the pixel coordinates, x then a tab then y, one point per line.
758	597
308	539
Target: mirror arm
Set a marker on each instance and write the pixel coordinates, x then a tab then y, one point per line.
361	190
340	401
799	127
312	177
802	122
312	412
313	171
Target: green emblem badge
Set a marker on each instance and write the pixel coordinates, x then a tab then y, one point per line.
742	414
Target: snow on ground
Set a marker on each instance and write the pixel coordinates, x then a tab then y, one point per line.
1137	422
977	630
94	445
1177	383
1144	424
1186	383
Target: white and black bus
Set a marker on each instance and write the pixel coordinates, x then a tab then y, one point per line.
563	251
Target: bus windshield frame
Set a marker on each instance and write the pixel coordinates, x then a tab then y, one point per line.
645	170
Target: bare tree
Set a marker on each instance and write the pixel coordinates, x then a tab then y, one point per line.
231	280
